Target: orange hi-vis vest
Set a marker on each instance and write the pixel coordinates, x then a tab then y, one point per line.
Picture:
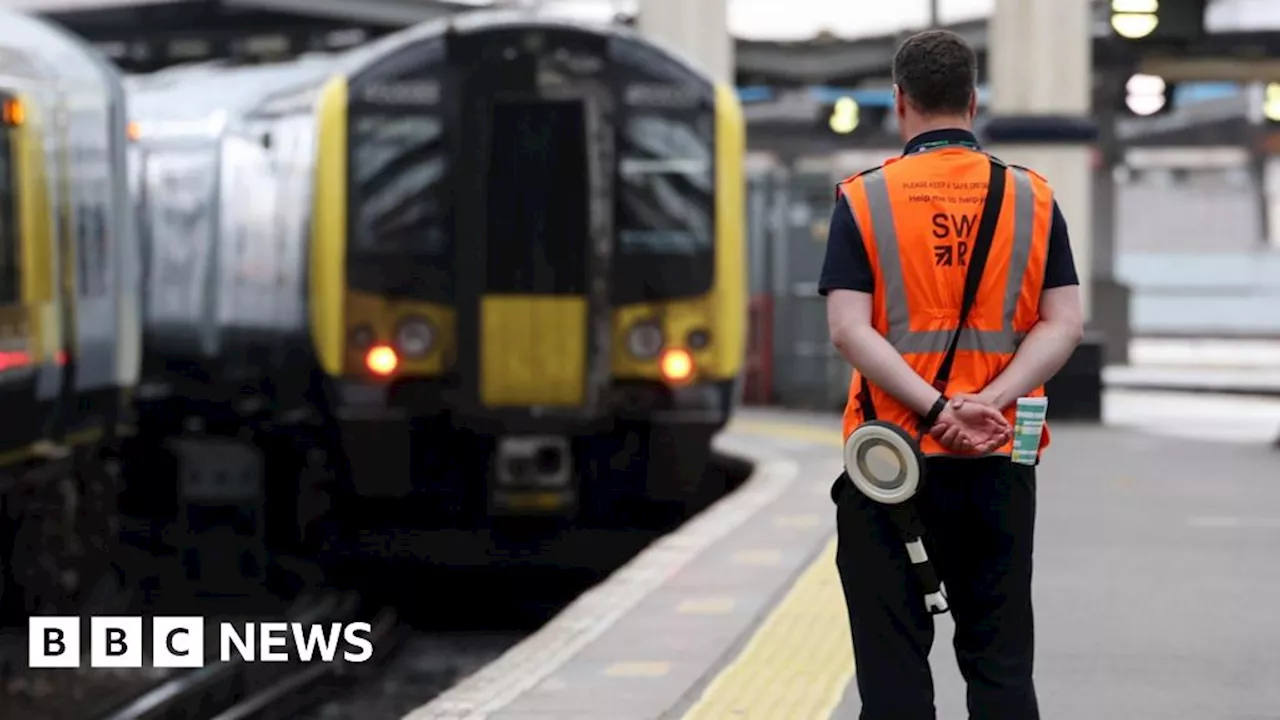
918	216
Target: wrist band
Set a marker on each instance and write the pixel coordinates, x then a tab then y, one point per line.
938	406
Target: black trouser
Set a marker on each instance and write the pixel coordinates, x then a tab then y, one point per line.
979	519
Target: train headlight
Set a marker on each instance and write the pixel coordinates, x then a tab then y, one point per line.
381	360
644	340
677	366
415	337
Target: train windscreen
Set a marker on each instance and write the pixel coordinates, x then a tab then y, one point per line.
665	210
537	199
401	243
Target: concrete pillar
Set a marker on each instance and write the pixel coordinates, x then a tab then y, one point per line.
696	29
1040	66
1040	63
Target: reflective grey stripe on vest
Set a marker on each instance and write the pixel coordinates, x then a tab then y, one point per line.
901	336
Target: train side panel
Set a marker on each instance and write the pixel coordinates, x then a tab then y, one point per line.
68	322
225	279
101	252
121	251
178	210
293	143
94	244
248	251
265	187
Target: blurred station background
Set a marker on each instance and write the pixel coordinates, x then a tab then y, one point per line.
1182	221
288	404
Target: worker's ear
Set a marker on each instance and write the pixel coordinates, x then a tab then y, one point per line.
899	102
973	105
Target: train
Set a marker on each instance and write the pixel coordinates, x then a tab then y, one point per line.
487	267
70	332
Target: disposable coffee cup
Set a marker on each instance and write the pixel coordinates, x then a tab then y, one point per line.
1028	426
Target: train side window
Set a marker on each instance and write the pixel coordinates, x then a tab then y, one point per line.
10	236
90	228
90	220
101	241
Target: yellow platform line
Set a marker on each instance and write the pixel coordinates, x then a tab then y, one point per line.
799	661
791	431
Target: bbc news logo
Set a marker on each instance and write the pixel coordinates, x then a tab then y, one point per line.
179	642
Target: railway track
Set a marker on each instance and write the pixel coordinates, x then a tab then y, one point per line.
238	687
422	666
423	643
296	688
150	693
445	640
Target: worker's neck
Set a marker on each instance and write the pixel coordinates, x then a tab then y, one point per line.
920	126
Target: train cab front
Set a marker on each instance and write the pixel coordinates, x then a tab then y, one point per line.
531	254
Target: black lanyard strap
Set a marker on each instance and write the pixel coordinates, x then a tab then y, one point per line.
977	263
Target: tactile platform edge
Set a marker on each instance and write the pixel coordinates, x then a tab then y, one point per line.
534	659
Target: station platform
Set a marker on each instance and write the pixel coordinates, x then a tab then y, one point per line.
1149	598
1201	365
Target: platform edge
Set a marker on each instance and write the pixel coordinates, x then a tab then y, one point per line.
536	658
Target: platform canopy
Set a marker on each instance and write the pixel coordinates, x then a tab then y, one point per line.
146	35
811	43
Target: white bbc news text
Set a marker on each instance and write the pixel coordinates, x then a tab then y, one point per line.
179	642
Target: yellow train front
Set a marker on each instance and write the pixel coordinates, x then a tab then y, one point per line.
527	266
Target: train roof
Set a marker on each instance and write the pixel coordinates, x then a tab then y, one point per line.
352	61
203	92
37	48
358	58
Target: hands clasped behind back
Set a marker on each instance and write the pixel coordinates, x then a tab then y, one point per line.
970	424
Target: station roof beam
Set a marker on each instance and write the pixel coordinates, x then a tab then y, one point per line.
146	35
225	24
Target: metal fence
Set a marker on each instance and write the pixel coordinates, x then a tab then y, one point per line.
790	211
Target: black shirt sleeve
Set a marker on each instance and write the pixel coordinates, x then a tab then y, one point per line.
1060	266
846	266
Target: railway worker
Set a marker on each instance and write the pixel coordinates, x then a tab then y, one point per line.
895	263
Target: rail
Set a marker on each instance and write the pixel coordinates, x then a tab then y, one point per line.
216	686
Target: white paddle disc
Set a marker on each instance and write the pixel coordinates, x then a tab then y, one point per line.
883	462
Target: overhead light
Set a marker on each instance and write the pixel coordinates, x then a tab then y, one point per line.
1146	94
1135	19
844	116
1149	7
1133	26
1271	102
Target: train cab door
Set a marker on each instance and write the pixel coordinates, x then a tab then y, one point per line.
26	292
534	228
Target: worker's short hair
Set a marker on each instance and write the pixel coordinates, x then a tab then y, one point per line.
937	71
